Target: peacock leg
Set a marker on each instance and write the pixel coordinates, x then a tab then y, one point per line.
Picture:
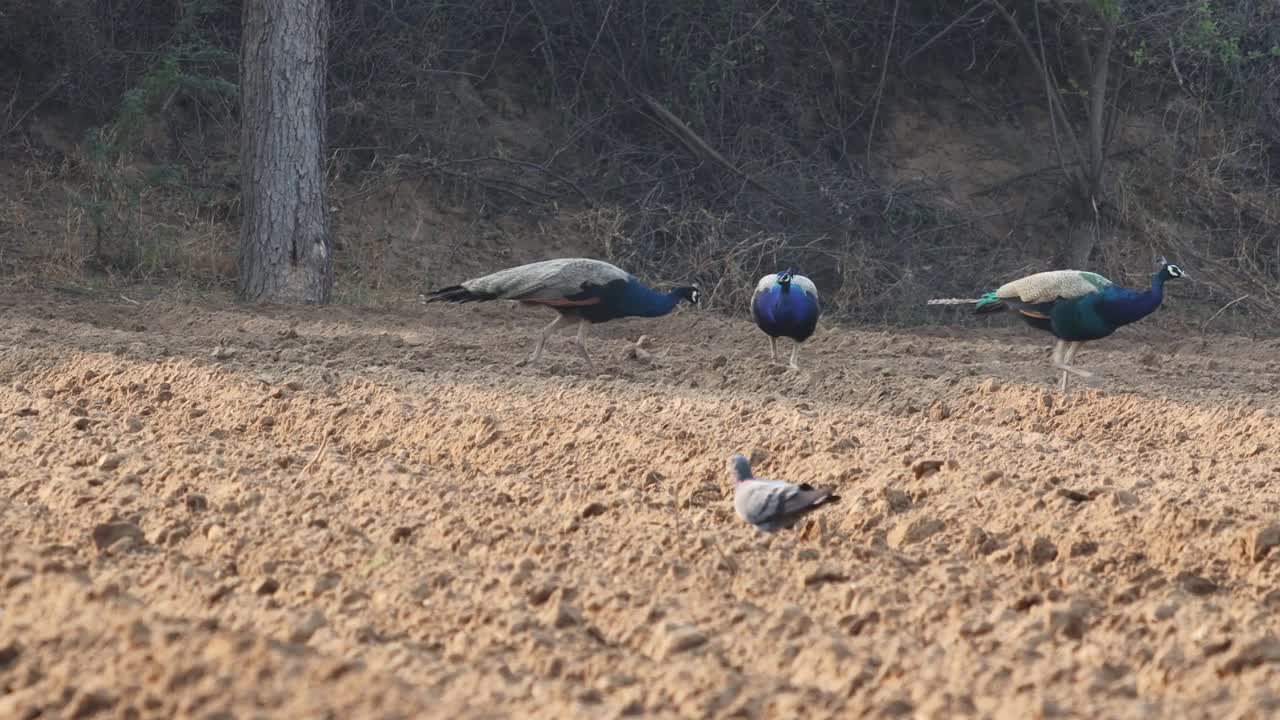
1058	351
773	350
795	348
1070	359
1063	361
546	333
581	342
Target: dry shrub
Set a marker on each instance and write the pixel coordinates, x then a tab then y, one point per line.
713	141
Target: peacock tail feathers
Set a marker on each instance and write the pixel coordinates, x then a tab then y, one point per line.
786	305
989	302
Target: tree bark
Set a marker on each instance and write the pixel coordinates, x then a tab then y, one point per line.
1087	228
286	250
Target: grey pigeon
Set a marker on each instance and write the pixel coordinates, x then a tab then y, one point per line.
772	505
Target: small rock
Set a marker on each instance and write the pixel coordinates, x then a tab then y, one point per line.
1007	415
1262	542
990	385
1258	652
1074	495
922	468
1083	548
718	362
1195	584
897	500
681	638
541	592
81	423
221	592
1216	646
594	509
222	353
824	573
914	531
401	534
89	704
268	586
107	534
1043	551
110	461
133	424
9	654
308	627
1071	621
897	708
1026	602
991	476
939	411
562	615
1123	499
196	502
324	583
976	628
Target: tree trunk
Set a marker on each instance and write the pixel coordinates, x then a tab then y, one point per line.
286	251
1082	237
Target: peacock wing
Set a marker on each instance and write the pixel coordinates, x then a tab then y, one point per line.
1045	287
806	285
548	279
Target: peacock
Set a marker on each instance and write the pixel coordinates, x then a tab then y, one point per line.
772	505
785	305
1075	306
590	291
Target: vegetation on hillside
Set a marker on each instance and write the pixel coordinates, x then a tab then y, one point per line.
716	140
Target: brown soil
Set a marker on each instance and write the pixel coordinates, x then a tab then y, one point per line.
210	511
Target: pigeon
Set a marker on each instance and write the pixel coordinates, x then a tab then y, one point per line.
772	505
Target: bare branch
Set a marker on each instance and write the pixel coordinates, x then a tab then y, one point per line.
1052	94
940	34
699	146
884	69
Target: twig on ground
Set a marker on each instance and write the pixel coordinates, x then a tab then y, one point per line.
1221	310
324	442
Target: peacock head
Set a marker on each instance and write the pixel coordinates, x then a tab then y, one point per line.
691	293
784	277
1169	271
739	468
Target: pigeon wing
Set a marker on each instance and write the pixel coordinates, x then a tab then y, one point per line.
770	504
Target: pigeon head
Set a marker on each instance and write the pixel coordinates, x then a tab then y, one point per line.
739	468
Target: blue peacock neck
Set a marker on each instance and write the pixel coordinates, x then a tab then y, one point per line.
1140	304
644	302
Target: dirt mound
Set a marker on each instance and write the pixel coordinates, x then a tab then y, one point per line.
352	513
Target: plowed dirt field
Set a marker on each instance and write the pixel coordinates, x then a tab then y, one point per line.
219	512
